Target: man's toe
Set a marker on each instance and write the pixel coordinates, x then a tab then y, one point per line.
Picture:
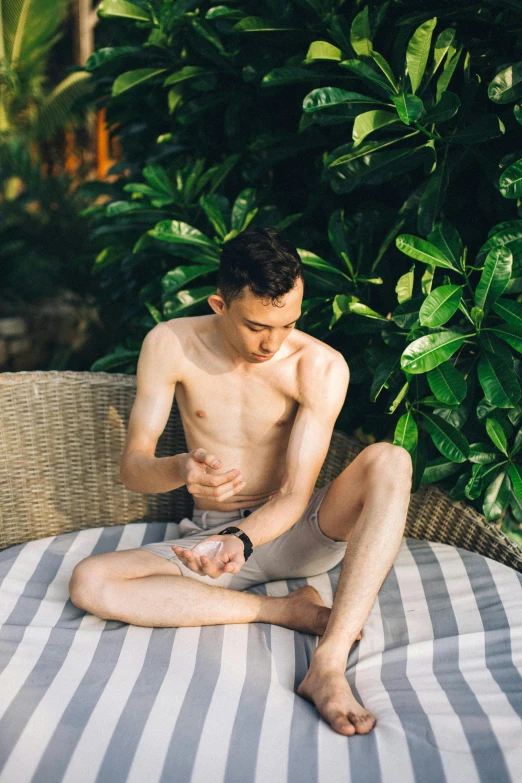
341	724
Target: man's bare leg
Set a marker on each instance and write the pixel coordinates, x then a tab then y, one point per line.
142	588
374	541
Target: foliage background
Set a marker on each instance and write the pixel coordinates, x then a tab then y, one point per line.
384	139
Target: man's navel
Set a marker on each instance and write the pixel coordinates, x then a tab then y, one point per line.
201	414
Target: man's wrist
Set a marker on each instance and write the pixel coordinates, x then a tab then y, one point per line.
240	534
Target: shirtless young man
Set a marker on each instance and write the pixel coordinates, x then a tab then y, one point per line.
258	400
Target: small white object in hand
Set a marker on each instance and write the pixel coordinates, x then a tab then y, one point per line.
207	548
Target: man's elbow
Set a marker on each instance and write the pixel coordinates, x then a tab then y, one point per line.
126	476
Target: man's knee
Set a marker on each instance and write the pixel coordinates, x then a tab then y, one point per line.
89	586
389	463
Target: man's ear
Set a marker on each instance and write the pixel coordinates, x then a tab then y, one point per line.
217	303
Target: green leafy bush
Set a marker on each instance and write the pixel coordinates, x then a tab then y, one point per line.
383	140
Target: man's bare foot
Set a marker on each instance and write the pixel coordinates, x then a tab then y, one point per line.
305	611
331	694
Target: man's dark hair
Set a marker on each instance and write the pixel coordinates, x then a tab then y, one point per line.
263	260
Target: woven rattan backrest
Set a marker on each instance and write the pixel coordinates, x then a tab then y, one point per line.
61	439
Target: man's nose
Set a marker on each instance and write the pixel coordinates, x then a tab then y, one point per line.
270	347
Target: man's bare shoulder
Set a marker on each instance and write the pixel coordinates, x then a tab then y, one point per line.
319	367
316	356
162	352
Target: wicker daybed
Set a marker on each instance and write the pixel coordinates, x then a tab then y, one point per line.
87	699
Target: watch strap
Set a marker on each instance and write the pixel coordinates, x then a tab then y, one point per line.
236	531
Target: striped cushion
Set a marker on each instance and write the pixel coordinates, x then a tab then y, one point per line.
85	700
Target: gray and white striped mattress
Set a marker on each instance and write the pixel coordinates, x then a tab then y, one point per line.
83	700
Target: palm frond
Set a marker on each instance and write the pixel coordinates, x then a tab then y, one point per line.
55	111
29	28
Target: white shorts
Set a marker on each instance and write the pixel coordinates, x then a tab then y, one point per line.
303	550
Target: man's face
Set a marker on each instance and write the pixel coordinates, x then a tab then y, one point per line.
256	327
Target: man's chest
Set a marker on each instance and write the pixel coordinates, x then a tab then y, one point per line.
236	411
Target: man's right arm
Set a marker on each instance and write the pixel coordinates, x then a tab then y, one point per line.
158	365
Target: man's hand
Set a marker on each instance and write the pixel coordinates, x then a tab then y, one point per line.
201	484
229	560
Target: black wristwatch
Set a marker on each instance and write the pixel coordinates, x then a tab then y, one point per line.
236	531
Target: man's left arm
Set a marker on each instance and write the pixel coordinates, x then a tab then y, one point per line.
322	394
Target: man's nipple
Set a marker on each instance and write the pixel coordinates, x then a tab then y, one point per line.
201	414
280	423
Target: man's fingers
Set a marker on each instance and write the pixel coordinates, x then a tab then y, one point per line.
206	486
202	455
209	480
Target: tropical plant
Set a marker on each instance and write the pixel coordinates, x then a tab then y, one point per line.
362	131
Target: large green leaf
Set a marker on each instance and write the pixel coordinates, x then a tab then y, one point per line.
369	164
440	305
508	233
482	453
177	232
217	209
510	310
244	209
431	350
407	313
444	110
493	344
360	34
383	374
474	486
322	50
506	86
447	383
450	65
510	333
419	459
515	474
438	469
498	380
157	177
432	199
417	52
310	259
179	277
442	45
404	287
338	236
384	66
255	24
446	238
370	121
368	73
497	496
409	107
121	356
108	8
131	78
448	440
327	97
186	73
510	181
422	250
287	74
495	277
406	433
497	434
361	309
